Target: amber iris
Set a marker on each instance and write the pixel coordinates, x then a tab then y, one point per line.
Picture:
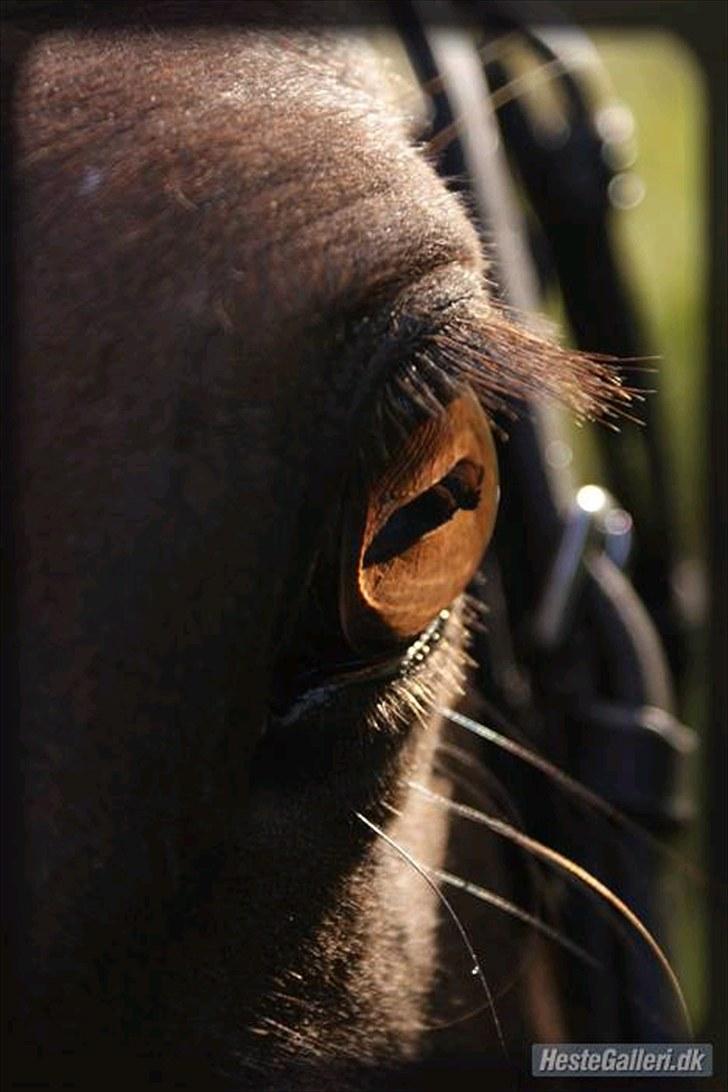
416	538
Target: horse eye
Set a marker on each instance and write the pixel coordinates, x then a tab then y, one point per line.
417	533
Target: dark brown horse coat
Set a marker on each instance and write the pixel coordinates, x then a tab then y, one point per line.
226	240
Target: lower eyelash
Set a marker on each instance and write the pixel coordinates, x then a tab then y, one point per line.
433	672
444	638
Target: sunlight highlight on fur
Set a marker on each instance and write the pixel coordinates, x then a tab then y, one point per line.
477	969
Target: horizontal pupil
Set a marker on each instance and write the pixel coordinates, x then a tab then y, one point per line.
459	489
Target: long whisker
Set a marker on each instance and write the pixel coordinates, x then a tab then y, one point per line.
508	907
498	797
497	793
578	790
488	896
538	762
574	872
514	911
477	970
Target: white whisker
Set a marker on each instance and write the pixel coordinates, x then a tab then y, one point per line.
514	911
477	970
576	789
573	871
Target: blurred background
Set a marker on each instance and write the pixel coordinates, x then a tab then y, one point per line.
659	222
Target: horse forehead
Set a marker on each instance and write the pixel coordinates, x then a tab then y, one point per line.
257	181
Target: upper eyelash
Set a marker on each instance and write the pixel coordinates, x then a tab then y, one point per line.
506	363
478	346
